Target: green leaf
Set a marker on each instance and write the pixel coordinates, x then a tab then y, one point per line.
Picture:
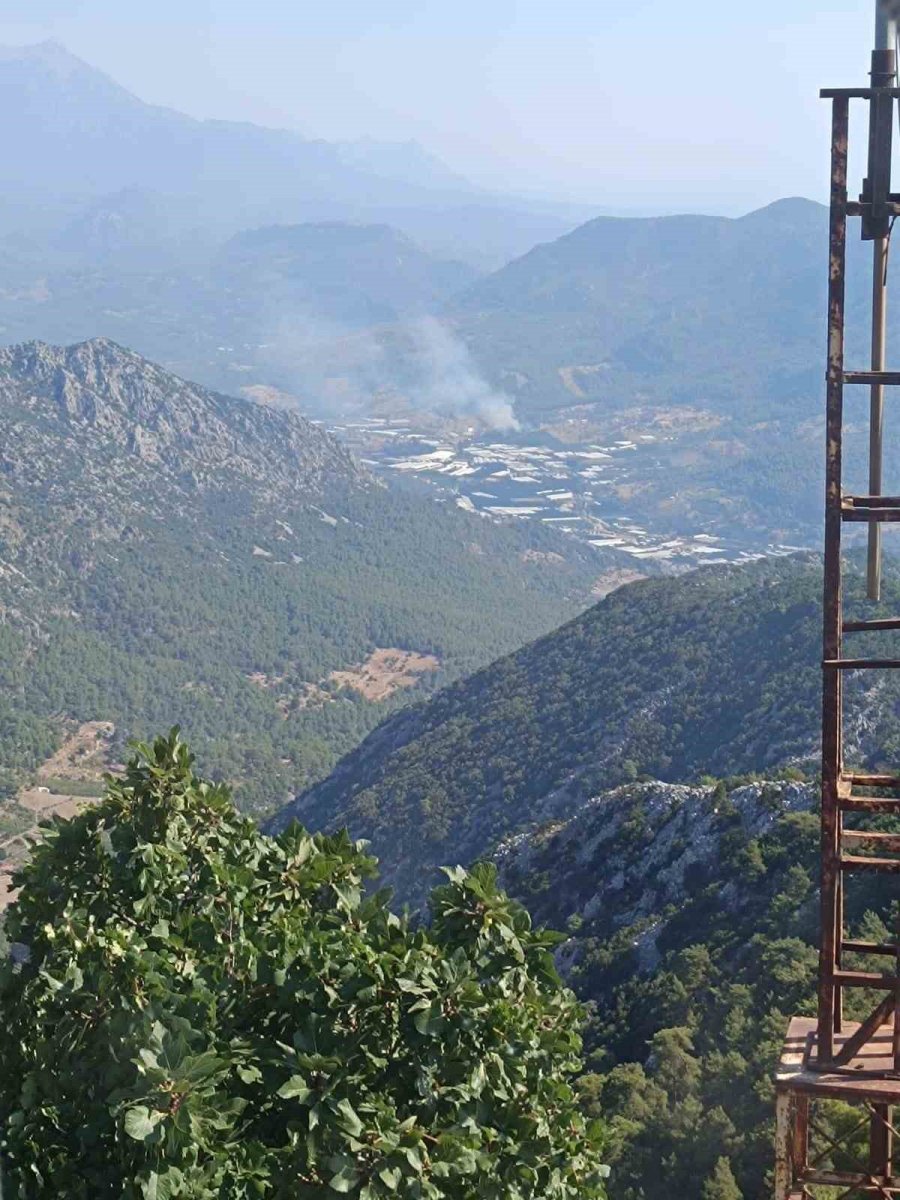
140	1122
162	1186
197	1040
390	1177
296	1088
350	1121
344	1181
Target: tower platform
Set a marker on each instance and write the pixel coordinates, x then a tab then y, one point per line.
820	1145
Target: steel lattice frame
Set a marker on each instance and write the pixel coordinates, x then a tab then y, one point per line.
828	1059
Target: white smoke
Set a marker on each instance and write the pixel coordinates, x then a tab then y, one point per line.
338	371
330	369
452	384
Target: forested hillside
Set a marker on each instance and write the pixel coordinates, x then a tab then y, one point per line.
692	919
714	672
172	555
347	274
674	309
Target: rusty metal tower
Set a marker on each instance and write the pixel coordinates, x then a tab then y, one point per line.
828	1059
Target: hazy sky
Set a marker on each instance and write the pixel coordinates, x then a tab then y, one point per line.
649	105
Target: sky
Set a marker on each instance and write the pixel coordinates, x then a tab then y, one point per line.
626	105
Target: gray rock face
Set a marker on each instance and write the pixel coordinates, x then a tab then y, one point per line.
96	442
626	855
99	399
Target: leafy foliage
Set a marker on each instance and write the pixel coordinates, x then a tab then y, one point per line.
208	1012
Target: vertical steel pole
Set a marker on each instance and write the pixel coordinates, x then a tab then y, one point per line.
829	998
800	1140
883	75
881	1142
783	1157
876	408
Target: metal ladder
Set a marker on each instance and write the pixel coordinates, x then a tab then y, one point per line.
845	794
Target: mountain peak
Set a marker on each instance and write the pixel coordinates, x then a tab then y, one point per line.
50	49
53	56
788	207
120	406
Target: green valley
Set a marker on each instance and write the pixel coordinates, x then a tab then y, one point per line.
170	555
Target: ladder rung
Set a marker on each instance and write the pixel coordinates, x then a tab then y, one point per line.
884	516
854	947
860	862
882	623
870	501
858	779
860	664
870	508
864	979
871	804
887	378
859	208
857	94
873	838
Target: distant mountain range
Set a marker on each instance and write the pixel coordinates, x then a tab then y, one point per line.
714	672
351	276
698	339
72	140
169	554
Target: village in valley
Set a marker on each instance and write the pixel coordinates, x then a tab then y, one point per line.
588	490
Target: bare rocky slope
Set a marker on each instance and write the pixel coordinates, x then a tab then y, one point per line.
627	860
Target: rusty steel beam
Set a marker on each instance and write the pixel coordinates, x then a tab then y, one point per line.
860	208
864	979
861	664
872	840
853	946
858	93
783	1146
885	378
800	1138
829	1012
876	403
870	1026
860	1064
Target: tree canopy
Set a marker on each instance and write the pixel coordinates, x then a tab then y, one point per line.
193	1009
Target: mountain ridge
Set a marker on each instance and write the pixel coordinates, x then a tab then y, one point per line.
64	120
652	302
171	554
714	672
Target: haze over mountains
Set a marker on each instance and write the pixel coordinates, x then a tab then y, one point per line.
258	262
261	262
70	136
